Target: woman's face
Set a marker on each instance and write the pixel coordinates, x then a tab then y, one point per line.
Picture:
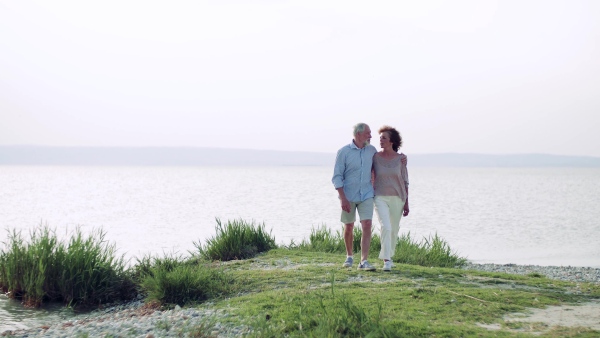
384	140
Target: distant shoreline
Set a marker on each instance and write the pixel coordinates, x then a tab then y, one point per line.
190	156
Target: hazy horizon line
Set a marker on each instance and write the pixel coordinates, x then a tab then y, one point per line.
190	156
291	151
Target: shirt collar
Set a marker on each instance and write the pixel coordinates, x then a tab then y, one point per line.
353	145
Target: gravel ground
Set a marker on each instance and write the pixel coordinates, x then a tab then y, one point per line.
564	273
135	319
138	320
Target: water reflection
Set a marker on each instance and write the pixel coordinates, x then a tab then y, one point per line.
15	316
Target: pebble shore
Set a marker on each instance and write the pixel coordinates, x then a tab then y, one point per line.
563	273
135	319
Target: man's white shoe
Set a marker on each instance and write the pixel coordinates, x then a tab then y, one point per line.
387	266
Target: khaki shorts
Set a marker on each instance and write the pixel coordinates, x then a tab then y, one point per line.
365	211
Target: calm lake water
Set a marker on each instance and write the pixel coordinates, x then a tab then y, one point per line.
544	216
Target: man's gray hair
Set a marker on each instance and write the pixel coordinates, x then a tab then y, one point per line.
359	128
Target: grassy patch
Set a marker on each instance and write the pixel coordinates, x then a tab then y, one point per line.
174	280
431	251
237	239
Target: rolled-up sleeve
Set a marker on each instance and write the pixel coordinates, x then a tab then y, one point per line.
338	170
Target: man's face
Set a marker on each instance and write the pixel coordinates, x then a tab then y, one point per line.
364	137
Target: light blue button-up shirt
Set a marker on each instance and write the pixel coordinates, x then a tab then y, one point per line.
353	172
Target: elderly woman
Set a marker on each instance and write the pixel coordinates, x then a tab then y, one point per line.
391	191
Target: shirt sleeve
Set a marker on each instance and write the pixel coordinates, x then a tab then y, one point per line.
338	170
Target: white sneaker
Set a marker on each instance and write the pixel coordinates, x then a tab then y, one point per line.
387	266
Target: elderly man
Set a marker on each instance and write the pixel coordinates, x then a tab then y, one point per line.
352	180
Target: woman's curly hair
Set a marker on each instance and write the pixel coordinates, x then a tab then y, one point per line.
395	137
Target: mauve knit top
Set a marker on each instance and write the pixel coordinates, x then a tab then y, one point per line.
391	176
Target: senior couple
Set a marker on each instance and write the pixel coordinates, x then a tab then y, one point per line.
365	177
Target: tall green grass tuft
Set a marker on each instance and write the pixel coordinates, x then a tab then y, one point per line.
236	240
85	271
375	245
321	239
431	251
145	265
172	280
23	266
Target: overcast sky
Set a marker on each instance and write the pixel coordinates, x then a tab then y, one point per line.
492	77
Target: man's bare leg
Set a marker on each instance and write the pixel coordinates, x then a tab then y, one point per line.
365	240
349	238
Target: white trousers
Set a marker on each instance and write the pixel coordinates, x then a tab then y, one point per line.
389	211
